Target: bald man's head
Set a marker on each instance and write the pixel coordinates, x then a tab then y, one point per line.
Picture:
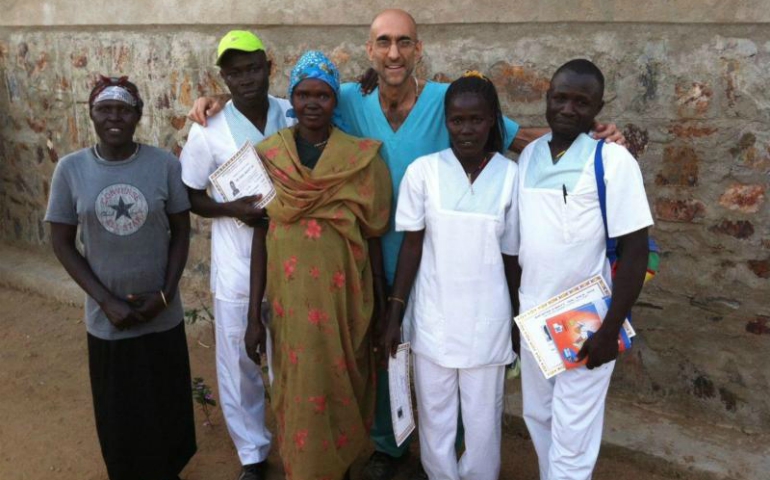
393	47
390	17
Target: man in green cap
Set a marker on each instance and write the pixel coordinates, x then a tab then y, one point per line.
250	116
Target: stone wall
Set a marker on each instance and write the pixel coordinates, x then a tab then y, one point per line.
691	98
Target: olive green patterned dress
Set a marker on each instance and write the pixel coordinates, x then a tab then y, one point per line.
319	285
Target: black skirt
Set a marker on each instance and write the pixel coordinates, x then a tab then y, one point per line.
143	404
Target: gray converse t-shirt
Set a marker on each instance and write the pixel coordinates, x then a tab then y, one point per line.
121	208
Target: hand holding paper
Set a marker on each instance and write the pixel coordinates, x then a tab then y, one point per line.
247	210
581	330
244	183
601	348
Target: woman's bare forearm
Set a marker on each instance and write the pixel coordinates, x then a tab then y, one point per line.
258	272
63	242
409	258
179	247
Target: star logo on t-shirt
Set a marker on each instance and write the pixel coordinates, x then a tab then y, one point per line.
122	209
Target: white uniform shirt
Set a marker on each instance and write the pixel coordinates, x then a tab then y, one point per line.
562	236
206	149
459	312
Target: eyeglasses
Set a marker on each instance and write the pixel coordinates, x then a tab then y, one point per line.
402	44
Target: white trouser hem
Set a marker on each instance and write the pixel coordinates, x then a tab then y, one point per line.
241	391
440	393
565	417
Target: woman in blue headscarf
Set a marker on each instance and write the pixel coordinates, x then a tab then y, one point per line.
321	264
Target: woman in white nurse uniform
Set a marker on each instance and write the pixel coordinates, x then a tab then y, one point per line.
459	211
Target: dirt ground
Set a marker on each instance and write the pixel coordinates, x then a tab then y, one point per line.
46	419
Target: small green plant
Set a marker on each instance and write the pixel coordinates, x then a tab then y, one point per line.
203	315
195	315
203	397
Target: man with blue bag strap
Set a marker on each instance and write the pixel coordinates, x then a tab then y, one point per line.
563	243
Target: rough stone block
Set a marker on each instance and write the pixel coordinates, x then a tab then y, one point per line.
637	139
743	198
693	99
741	229
518	83
680	167
689	131
759	326
682	211
761	268
752	152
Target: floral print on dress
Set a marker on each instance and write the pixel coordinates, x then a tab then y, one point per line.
300	439
341	364
319	402
277	308
338	280
342	440
317	317
313	230
289	267
315	272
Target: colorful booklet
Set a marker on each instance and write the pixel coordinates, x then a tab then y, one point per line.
534	331
569	330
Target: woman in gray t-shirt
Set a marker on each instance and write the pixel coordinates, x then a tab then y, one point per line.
132	209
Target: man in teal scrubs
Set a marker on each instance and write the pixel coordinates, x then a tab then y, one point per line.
407	115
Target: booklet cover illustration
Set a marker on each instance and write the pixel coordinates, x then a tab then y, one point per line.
569	330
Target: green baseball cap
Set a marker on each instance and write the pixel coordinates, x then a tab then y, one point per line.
239	40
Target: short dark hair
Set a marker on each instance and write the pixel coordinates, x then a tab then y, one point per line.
581	66
484	87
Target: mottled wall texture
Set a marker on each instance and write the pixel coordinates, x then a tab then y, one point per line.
691	97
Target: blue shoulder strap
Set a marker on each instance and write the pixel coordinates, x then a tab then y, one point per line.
602	190
600	187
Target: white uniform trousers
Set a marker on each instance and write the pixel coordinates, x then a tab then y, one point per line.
565	417
440	393
241	391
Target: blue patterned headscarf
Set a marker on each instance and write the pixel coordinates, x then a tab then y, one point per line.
314	64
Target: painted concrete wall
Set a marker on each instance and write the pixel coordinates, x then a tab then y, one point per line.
352	12
690	96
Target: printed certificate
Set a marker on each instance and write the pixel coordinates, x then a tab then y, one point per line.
243	175
532	323
401	394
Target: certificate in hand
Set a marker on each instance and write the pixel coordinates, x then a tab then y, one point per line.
401	394
243	175
533	328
